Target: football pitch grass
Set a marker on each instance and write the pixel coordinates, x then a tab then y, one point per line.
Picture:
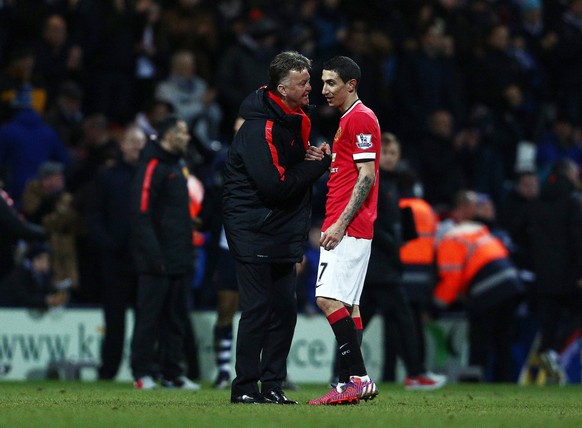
100	404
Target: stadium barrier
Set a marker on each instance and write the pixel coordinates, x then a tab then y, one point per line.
65	343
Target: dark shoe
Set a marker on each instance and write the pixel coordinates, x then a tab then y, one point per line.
277	396
222	381
253	398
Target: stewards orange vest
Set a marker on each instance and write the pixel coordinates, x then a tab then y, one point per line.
472	263
420	251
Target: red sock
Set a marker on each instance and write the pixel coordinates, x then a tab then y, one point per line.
359	329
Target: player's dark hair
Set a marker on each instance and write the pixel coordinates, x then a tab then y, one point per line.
284	63
346	68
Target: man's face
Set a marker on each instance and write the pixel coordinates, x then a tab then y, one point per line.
335	90
389	156
41	263
131	144
297	88
528	186
53	183
178	138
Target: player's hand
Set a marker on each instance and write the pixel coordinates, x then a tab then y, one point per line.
314	153
332	237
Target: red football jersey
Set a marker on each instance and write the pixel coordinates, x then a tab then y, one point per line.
357	139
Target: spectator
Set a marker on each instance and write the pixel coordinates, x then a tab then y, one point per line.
107	40
192	99
30	284
63	226
445	159
20	85
515	219
192	25
46	201
96	149
65	115
109	224
25	143
427	81
567	54
12	228
42	192
486	213
243	66
151	51
57	59
555	231
493	68
556	144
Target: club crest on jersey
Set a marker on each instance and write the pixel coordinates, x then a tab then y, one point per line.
364	141
338	134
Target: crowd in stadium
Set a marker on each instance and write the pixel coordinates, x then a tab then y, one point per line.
483	95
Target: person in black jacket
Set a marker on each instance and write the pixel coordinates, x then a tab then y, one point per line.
161	230
30	284
267	208
555	228
12	228
383	290
109	223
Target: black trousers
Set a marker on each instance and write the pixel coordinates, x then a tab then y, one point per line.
118	293
401	337
559	316
491	336
268	316
159	325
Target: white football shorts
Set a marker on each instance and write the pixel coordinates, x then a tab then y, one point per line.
342	271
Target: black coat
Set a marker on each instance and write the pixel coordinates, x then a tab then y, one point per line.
267	184
385	266
555	229
161	226
109	213
24	289
12	228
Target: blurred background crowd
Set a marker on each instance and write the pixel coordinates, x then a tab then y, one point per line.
484	95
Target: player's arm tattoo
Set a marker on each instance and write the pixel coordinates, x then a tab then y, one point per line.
359	194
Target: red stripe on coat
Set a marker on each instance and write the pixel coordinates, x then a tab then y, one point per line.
272	149
146	186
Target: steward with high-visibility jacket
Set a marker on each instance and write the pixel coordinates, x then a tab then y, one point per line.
418	265
417	255
474	267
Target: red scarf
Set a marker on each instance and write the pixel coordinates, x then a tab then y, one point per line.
305	121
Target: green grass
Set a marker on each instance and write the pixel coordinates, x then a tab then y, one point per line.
98	404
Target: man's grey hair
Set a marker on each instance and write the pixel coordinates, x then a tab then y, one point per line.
283	64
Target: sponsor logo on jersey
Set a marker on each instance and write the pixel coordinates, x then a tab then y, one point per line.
364	141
